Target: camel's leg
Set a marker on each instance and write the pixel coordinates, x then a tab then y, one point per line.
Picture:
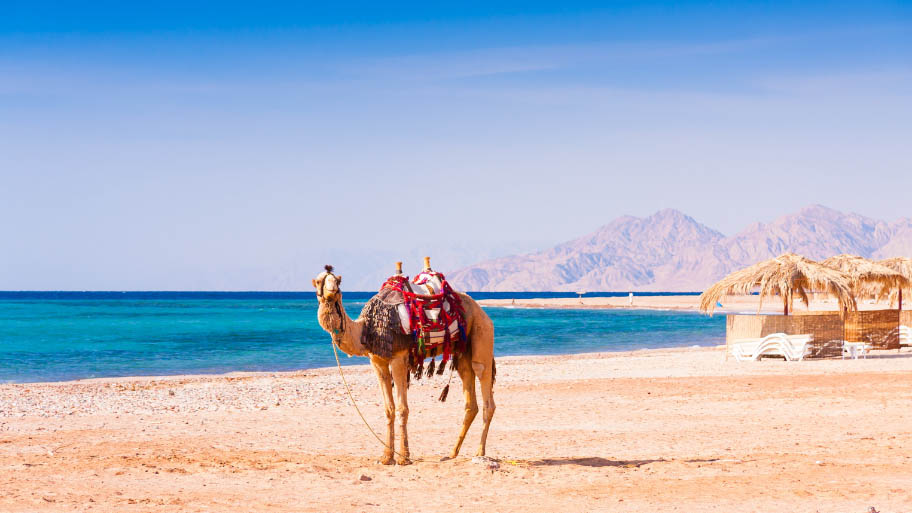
486	376
399	368
482	339
381	368
464	367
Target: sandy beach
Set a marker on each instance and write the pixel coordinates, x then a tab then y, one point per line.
734	304
650	430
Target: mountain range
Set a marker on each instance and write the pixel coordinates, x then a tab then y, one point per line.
670	251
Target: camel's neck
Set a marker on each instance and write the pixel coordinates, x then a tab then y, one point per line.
346	333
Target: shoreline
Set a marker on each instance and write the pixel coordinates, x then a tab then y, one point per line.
359	366
683	303
364	368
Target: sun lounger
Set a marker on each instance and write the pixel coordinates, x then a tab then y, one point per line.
790	347
905	337
745	349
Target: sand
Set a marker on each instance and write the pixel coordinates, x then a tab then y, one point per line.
652	430
734	304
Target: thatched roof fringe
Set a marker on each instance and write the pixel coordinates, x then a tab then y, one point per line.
788	275
868	278
903	266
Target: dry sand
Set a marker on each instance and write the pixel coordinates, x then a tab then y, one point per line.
734	304
655	430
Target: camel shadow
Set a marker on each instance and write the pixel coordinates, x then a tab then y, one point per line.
591	462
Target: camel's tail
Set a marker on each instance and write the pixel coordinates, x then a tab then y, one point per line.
493	371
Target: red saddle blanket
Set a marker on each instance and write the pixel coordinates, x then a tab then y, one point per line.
432	313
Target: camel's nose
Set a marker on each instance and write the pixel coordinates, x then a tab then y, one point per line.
331	295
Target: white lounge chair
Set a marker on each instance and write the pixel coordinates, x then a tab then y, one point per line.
855	349
905	337
790	347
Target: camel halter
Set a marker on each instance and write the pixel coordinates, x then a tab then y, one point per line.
320	292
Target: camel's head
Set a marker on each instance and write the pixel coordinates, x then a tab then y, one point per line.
328	286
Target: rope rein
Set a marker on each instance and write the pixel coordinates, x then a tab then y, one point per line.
335	346
355	404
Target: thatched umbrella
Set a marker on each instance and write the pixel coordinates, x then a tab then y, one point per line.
903	266
868	278
787	276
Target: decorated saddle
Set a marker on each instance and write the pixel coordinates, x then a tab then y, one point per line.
426	311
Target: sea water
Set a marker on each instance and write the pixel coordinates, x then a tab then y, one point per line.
53	336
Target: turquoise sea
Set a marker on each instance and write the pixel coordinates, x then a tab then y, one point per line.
53	336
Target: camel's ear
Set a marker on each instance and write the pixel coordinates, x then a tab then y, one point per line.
339	280
314	283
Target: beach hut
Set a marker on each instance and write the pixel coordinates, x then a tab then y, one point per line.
872	328
787	276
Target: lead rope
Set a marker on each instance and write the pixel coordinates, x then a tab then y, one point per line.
352	399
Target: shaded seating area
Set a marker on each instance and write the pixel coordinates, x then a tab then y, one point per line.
846	332
852	334
825	331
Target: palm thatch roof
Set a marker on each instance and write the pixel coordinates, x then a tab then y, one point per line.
787	276
903	266
868	278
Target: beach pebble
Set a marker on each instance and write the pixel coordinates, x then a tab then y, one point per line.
364	477
489	463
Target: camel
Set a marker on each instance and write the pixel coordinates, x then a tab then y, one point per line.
346	335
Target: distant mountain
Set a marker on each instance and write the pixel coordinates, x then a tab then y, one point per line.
670	251
366	270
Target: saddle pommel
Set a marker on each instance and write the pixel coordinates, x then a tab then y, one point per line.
398	267
427	263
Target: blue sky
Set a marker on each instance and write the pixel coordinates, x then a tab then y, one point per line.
225	146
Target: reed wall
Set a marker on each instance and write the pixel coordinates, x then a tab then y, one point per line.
827	329
905	318
880	328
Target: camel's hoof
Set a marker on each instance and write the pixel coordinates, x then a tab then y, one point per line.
387	460
448	458
480	453
404	461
